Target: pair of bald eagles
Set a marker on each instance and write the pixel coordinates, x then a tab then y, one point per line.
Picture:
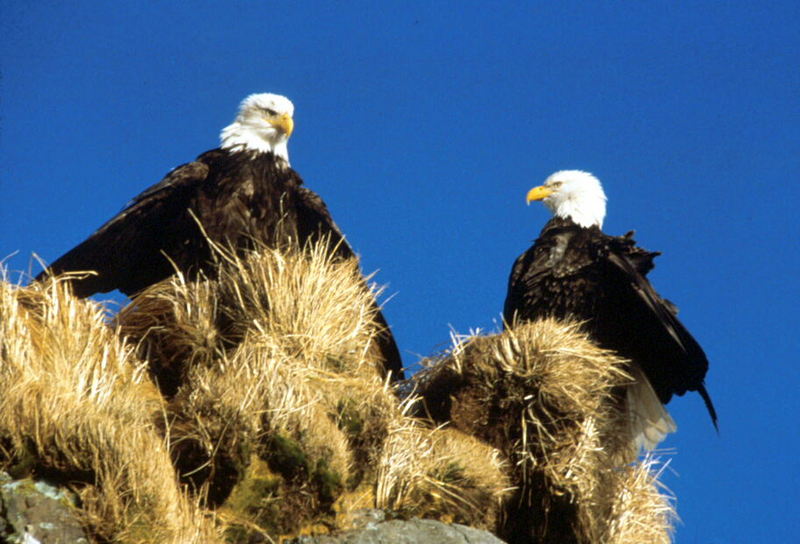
245	190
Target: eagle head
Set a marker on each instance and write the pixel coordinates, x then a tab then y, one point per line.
264	123
573	194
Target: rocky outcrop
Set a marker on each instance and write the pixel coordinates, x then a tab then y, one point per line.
415	531
36	512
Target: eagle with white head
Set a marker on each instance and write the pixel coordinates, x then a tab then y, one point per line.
576	271
243	194
264	123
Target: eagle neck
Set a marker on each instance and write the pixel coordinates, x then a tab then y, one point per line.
239	137
563	223
252	155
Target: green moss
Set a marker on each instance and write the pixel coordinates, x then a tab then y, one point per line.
328	482
363	435
254	499
283	489
349	419
257	486
286	456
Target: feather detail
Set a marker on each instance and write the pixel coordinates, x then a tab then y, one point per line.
650	422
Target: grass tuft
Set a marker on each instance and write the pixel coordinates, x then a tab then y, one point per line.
546	397
252	406
76	406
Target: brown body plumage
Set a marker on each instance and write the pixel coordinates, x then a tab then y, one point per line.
576	271
241	195
582	273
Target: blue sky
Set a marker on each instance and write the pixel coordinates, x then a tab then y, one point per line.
423	125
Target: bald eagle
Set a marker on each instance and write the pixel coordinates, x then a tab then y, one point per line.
240	194
575	270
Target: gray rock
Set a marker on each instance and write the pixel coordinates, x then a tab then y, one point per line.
34	512
415	531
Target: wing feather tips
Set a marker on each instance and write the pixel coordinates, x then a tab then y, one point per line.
650	421
82	270
709	405
110	251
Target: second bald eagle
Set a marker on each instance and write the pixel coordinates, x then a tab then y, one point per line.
575	270
241	192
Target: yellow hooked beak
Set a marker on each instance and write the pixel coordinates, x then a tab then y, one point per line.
538	193
284	123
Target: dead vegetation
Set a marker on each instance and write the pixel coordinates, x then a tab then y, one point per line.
251	405
76	406
544	396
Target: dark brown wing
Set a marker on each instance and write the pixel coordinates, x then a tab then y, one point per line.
668	354
314	223
554	276
584	274
519	293
126	253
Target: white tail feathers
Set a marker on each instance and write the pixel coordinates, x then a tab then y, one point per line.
650	422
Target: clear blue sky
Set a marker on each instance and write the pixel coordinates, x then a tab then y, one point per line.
424	124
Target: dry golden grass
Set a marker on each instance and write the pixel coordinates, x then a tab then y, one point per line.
258	360
642	510
311	306
278	370
76	404
270	405
544	395
441	474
